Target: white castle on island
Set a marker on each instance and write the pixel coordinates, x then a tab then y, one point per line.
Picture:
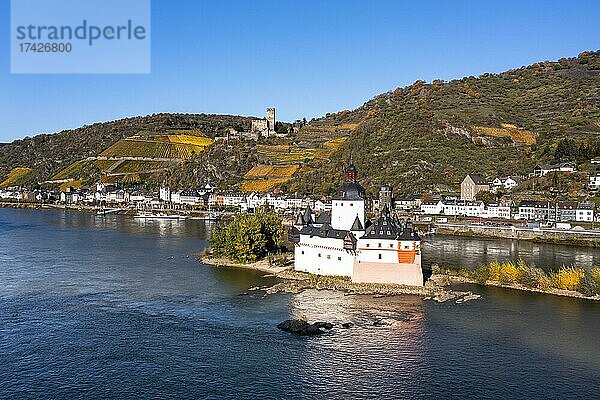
384	250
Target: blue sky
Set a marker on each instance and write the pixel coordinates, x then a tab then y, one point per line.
305	57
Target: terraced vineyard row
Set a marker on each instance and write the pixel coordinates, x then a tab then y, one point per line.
269	171
151	149
139	166
261	185
71	171
15	176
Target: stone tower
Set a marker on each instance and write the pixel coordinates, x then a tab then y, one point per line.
385	197
271	119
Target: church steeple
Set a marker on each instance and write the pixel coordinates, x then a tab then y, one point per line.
351	172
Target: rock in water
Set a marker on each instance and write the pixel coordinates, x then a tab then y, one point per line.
324	325
301	327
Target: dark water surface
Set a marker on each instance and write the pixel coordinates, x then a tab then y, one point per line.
456	251
116	308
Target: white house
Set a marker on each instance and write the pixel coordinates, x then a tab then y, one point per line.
585	212
432	207
542	170
501	209
594	181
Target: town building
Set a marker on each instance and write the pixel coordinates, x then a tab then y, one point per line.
473	184
505	183
385	250
542	170
594	181
566	211
410	202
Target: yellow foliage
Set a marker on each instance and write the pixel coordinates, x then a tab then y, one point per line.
186	139
508	130
15	175
104	164
261	185
334	143
331	128
568	278
509	273
135	147
494	268
544	282
597	123
72	171
596	273
268	171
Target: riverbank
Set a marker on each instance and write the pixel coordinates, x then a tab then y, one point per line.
585	238
296	282
515	286
566	281
191	214
436	287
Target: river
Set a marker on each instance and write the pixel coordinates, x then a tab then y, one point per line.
111	307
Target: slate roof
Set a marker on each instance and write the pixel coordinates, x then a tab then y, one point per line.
325	231
357	225
323	218
386	227
350	191
478	179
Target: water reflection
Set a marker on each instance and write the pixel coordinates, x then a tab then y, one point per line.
455	251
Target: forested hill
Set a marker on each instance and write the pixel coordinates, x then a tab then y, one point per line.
430	134
420	137
47	154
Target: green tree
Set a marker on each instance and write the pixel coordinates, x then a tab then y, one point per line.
486	197
248	238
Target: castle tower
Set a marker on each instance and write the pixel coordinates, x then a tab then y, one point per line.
385	197
348	204
271	120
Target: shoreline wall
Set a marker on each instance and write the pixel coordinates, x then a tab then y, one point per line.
569	237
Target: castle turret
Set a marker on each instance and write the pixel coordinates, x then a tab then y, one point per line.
349	202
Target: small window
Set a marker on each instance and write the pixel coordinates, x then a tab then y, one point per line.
351	204
368	245
319	254
379	245
328	257
380	256
302	251
339	258
405	247
391	245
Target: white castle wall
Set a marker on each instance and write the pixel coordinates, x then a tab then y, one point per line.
323	256
344	212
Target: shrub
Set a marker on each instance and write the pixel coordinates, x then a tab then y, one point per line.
544	282
481	274
530	275
509	273
494	270
568	278
589	285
